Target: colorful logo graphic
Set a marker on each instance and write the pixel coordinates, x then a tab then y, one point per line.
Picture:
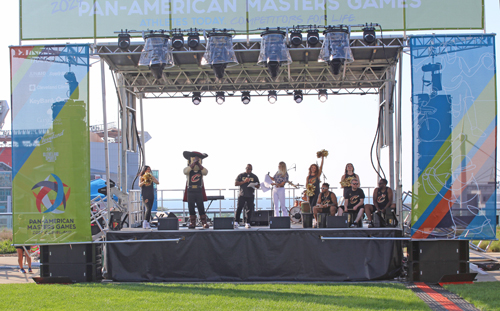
42	197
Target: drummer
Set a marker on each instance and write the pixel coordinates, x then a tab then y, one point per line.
327	203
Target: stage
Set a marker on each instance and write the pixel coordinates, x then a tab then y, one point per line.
258	254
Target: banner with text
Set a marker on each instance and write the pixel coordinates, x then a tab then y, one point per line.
454	137
50	144
73	19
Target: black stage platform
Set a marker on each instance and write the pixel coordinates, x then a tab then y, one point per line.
255	255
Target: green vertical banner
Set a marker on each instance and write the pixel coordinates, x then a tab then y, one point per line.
50	144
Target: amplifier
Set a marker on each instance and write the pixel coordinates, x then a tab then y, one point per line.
168	223
261	218
279	223
322	220
337	222
223	223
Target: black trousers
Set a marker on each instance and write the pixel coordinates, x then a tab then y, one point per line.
149	207
195	199
248	211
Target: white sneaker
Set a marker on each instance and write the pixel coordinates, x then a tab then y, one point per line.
247	225
144	226
236	225
147	225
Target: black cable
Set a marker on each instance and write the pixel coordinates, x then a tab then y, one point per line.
375	139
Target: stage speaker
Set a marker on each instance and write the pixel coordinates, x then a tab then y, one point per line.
434	271
444	250
223	223
76	254
74	272
337	222
279	223
261	218
322	220
168	223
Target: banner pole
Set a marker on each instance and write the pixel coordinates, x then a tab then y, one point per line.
106	147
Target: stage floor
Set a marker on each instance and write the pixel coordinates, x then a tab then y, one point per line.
254	255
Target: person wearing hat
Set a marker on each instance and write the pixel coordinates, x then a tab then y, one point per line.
195	194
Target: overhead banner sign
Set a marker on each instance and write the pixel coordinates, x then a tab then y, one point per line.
50	144
73	19
454	137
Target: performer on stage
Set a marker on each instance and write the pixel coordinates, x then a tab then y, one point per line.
195	190
148	193
246	195
313	179
382	201
354	200
349	174
327	203
279	181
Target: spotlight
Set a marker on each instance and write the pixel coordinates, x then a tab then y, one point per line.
273	51
157	53
313	37
196	98
124	41
336	50
220	98
219	52
177	41
297	96
322	95
272	97
219	70
369	34
296	38
193	40
245	97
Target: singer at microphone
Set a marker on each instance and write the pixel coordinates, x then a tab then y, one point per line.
247	182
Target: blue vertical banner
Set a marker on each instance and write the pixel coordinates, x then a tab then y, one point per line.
50	144
454	137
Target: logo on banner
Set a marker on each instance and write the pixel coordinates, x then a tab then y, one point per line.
46	187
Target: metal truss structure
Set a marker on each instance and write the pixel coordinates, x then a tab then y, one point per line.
366	75
432	46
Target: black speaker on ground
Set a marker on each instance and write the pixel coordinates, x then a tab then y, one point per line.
79	262
168	223
261	218
279	223
322	220
94	227
337	222
223	223
430	260
74	254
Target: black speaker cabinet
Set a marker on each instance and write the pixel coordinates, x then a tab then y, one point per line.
115	221
168	223
279	223
75	272
223	223
337	221
430	260
261	218
74	254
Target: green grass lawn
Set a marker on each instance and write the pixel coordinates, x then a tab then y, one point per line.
484	295
209	296
495	245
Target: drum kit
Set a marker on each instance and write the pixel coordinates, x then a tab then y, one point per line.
301	205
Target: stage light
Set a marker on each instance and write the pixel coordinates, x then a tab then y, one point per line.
369	35
322	95
272	97
196	98
177	41
312	37
157	53
336	50
296	37
123	41
273	51
220	98
220	53
193	40
245	97
298	96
